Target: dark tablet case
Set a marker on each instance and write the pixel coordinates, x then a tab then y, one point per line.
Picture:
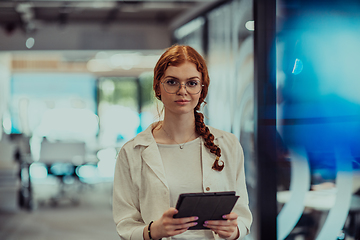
206	206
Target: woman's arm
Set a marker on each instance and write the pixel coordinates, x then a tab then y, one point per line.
126	209
168	226
126	214
242	205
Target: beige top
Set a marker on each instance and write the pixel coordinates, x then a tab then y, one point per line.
183	172
183	169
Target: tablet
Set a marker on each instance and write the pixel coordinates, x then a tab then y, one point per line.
206	206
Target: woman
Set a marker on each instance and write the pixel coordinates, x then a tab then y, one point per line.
178	155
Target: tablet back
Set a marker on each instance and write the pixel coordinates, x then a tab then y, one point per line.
206	206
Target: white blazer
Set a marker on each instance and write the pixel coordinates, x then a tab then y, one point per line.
141	192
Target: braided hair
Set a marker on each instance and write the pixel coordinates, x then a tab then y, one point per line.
174	56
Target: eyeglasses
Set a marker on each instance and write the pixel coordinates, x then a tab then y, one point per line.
172	86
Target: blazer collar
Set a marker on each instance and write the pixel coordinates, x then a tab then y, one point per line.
146	138
151	154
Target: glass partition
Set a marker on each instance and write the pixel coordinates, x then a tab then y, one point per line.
230	98
224	35
318	120
126	107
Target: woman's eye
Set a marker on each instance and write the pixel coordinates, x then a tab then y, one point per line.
171	82
192	83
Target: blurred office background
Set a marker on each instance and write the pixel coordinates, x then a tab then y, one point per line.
76	84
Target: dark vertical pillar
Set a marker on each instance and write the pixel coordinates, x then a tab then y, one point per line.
265	117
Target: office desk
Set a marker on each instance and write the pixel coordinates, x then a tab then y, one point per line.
322	200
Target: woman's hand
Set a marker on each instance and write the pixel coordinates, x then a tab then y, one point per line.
225	228
168	226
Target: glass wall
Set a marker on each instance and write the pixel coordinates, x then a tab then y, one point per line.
33	95
192	34
231	93
126	107
224	36
318	119
55	106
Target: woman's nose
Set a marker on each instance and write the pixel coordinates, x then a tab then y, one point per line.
182	89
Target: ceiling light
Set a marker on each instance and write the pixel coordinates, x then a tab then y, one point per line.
250	25
30	42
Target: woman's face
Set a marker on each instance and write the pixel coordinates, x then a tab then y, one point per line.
181	102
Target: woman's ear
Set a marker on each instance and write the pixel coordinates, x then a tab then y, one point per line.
158	95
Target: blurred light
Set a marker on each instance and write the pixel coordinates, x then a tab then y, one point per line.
108	87
23	7
87	171
38	170
62	169
298	67
341	236
30	42
71	123
7	124
149	61
68	179
98	65
189	28
250	25
125	60
330	45
114	123
106	154
101	55
106	165
107	168
105	61
103	4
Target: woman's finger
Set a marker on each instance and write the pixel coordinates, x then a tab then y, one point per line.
222	223
230	216
183	220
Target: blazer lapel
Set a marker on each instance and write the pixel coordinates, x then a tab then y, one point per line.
152	158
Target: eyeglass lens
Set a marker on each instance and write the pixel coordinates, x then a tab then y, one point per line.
173	86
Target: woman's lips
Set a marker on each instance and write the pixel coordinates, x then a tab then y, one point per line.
182	101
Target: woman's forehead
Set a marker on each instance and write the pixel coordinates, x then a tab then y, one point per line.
186	69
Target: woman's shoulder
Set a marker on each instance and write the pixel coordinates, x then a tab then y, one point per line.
144	138
221	133
226	140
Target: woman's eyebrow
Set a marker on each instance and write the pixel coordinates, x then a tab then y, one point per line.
195	77
171	77
190	78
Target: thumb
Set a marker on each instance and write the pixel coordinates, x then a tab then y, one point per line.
171	212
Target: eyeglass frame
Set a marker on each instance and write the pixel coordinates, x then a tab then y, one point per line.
180	84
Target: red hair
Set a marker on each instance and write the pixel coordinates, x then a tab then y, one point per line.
175	56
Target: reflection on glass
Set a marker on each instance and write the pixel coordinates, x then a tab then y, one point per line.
319	113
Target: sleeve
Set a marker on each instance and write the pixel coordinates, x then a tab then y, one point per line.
126	213
242	205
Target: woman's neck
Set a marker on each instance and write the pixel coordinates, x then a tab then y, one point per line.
176	129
